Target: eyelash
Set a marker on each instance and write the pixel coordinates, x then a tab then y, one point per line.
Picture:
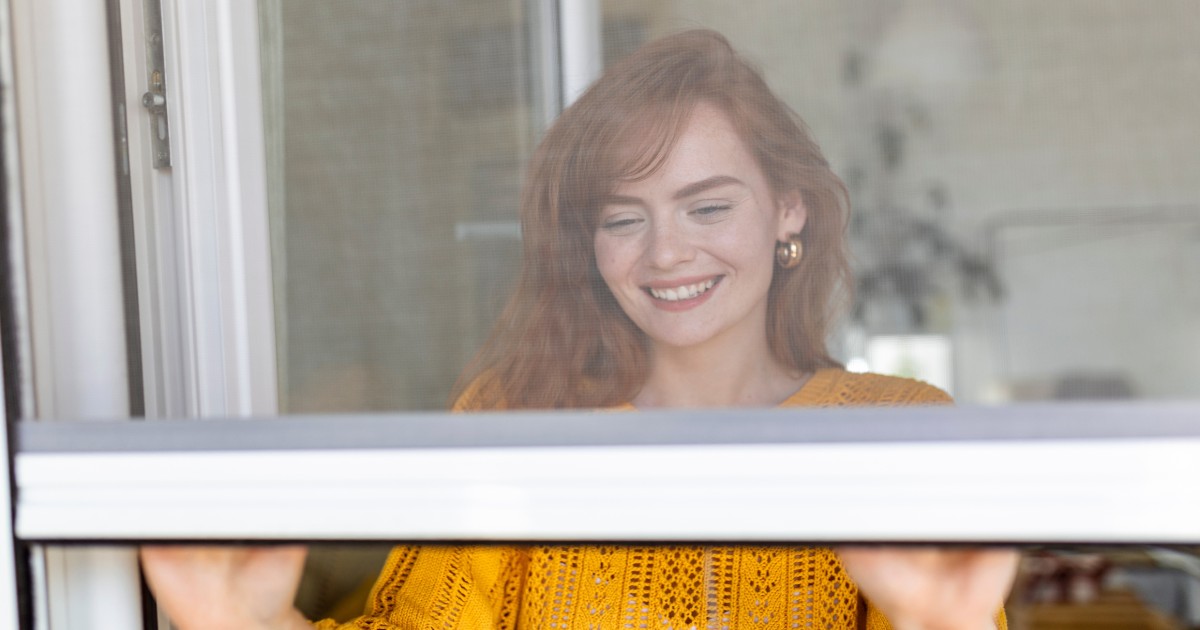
707	211
617	224
702	212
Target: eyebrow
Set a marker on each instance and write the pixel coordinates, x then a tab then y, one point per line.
695	188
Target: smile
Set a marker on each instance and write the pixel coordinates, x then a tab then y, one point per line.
685	292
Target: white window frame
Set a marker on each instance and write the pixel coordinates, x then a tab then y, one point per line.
200	230
220	193
62	161
8	561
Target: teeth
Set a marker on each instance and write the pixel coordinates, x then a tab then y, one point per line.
684	292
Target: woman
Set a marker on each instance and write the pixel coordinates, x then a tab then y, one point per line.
683	246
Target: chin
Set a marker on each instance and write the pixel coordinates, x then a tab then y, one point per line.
677	341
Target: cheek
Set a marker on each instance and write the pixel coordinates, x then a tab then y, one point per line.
608	261
744	243
759	242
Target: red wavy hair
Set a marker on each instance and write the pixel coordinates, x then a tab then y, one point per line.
562	341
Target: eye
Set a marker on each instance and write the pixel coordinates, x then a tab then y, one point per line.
620	223
711	211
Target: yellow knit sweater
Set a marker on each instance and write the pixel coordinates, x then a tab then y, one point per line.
659	587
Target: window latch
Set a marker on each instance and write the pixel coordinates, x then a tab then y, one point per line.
155	100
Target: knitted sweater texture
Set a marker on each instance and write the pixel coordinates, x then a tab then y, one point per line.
659	587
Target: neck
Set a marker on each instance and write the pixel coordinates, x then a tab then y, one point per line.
729	374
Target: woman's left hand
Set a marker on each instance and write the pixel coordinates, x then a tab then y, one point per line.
920	588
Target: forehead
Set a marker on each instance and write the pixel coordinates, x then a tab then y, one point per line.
706	145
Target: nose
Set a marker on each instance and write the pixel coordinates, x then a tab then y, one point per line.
668	246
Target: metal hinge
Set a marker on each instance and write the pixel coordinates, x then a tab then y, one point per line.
155	100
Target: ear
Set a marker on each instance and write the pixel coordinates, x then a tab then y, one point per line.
792	215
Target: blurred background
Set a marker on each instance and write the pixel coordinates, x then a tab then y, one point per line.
1026	208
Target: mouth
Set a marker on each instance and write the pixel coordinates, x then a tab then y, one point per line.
683	292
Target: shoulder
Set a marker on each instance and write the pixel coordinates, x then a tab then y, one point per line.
484	393
491	392
839	388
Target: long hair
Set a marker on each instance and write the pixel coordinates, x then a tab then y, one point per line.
562	340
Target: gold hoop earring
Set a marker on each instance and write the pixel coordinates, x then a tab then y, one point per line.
788	253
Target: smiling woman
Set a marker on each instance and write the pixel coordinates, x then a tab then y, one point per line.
679	151
652	218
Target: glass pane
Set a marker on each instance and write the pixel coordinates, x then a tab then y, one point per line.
397	133
1022	175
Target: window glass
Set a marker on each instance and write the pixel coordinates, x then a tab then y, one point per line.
1026	215
397	134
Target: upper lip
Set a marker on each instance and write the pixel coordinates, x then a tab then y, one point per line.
675	283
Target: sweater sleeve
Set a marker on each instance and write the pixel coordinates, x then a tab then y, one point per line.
427	586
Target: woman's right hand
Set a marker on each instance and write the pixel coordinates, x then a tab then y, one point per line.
226	587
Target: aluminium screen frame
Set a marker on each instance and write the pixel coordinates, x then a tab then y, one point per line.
1071	473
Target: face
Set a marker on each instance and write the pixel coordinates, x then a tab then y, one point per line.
689	251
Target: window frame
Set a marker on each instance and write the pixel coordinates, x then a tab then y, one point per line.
1012	474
